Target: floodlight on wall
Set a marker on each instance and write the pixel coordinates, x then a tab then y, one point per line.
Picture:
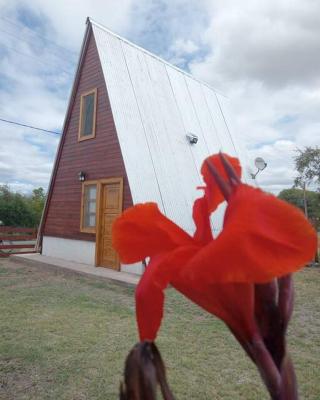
192	138
260	164
81	176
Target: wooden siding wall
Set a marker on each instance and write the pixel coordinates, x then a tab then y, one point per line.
99	157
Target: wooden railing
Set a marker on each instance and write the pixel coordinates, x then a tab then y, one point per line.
17	240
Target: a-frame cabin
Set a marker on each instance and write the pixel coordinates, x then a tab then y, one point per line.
128	137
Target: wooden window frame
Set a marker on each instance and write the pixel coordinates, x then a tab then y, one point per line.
93	135
84	184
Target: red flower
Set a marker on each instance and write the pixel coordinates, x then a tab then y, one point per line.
262	238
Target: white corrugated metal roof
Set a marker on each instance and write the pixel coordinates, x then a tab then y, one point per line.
154	106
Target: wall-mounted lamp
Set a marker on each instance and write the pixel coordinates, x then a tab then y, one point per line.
260	164
81	176
192	138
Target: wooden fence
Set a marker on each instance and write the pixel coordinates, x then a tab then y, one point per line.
17	240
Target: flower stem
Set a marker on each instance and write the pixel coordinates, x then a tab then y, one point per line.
267	368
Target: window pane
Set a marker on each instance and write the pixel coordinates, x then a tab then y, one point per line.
87	114
92	207
90	221
92	192
89	209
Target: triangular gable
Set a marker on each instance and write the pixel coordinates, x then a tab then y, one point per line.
154	106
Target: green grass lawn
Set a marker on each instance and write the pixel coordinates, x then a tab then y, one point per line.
66	337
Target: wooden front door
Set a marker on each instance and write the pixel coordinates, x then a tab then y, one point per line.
110	209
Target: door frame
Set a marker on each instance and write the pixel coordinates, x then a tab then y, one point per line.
100	184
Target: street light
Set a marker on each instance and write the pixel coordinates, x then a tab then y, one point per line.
260	164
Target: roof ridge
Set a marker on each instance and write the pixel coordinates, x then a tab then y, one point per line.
104	28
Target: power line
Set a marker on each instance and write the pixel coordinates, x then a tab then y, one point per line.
29	44
28	126
35	33
34	58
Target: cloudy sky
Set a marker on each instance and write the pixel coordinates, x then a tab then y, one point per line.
263	54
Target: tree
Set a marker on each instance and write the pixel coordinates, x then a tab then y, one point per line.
299	198
21	210
37	202
307	163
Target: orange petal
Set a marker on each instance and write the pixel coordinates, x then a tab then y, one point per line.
263	238
150	290
142	231
150	301
201	218
212	191
232	303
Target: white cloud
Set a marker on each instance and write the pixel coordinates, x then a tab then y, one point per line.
66	19
271	41
25	160
184	46
264	55
181	50
37	65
